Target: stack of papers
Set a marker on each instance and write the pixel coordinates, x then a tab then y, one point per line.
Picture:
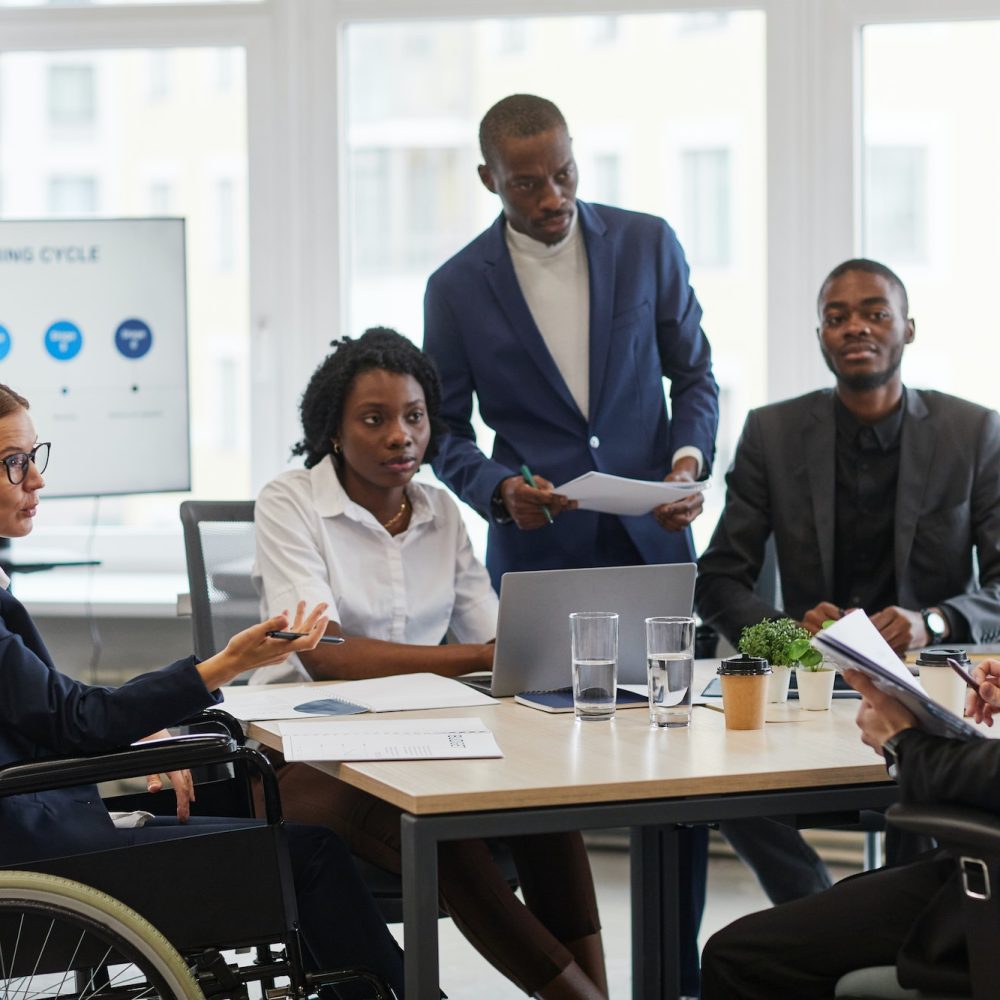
853	641
385	739
399	693
617	495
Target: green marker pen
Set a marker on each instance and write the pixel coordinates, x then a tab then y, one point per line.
530	480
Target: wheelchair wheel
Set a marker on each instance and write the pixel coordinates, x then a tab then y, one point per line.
62	939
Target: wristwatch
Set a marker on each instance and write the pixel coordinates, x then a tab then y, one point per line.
890	750
498	509
935	623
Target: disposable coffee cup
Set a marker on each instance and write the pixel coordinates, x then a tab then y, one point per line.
940	681
744	682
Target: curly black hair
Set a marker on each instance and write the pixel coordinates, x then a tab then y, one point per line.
322	406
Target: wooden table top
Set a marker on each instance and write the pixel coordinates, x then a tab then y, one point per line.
554	760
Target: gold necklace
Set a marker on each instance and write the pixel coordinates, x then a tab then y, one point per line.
395	517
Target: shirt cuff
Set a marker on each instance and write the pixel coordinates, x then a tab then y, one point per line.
689	451
498	509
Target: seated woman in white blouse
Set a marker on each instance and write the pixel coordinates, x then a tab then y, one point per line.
392	560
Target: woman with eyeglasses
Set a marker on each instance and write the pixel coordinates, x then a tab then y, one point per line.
44	713
391	559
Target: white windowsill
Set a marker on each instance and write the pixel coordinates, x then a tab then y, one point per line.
78	592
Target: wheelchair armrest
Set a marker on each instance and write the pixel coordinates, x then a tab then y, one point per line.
951	826
150	757
222	720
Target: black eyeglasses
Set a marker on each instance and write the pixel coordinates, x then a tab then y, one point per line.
17	464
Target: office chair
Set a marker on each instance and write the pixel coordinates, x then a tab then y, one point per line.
972	837
220	544
193	890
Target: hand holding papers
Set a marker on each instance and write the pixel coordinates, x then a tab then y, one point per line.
617	495
379	694
854	642
384	739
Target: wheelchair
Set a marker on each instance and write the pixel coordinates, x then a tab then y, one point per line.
61	938
162	919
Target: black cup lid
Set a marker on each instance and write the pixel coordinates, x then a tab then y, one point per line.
744	666
938	656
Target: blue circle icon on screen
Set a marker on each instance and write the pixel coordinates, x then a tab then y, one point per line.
63	340
4	342
133	338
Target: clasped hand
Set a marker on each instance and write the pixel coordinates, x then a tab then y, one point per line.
902	629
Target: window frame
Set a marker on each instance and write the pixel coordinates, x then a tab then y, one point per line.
296	154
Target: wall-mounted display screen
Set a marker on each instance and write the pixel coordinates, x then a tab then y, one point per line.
93	332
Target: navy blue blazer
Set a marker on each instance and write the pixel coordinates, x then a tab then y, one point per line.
645	323
43	713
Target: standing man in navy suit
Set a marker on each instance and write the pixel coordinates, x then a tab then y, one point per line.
563	319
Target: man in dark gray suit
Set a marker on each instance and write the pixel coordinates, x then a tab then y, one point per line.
877	497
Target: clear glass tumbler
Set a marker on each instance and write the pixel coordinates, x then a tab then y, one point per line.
670	670
595	664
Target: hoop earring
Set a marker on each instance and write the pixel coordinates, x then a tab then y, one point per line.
336	448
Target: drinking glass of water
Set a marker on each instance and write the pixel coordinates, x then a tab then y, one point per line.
595	664
670	667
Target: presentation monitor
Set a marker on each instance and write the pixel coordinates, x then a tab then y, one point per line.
93	332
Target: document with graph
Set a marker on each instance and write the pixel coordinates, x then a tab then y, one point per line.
386	739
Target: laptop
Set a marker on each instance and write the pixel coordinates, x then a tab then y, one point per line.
532	645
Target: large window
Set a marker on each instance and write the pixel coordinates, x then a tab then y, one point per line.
324	156
416	92
930	194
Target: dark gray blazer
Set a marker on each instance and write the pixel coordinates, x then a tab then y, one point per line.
782	483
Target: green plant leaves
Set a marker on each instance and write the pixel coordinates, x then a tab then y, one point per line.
782	642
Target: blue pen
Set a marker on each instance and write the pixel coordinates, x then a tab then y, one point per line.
530	480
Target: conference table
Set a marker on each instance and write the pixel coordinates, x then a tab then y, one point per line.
558	774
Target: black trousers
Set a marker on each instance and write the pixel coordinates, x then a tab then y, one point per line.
341	925
800	949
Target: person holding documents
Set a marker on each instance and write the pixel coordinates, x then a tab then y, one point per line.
44	713
563	319
878	497
908	916
395	565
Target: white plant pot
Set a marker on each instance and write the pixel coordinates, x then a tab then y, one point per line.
815	689
777	685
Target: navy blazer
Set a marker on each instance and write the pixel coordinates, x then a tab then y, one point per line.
43	713
644	325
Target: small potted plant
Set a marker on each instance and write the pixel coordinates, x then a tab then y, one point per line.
784	644
813	677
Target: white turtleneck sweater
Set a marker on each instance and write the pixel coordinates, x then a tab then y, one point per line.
555	283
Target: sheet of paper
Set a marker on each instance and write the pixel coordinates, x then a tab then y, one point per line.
853	641
857	632
250	703
617	495
386	739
